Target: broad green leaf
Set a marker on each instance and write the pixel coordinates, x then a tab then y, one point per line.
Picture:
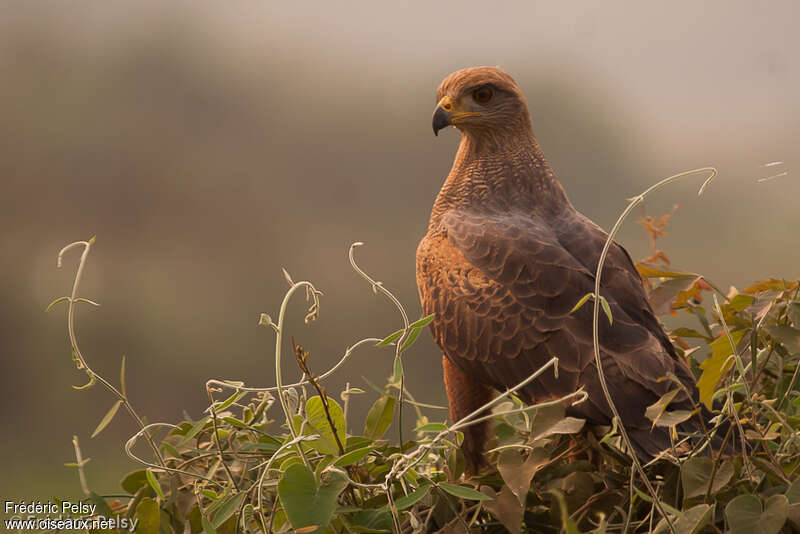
649	270
518	473
691	522
793	492
353	456
745	514
133	481
786	335
103	508
107	418
208	528
318	421
373	521
687	332
463	492
714	367
739	302
307	504
771	284
149	516
379	417
230	507
696	474
656	410
412	498
549	420
505	507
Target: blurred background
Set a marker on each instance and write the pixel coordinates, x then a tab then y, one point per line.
207	145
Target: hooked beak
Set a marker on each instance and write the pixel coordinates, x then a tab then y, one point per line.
441	119
446	114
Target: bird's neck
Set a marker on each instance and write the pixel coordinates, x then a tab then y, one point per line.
500	173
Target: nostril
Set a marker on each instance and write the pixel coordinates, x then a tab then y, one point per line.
448	107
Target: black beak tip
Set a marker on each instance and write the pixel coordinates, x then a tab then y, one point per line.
441	119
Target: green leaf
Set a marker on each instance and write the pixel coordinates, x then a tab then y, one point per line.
696	475
379	417
318	421
714	367
581	302
235	422
391	338
649	270
373	521
133	481
787	336
60	299
463	492
745	514
419	323
518	473
305	503
196	428
208	528
432	427
353	456
412	498
103	508
149	516
606	309
549	420
230	400
122	378
691	522
153	482
397	373
567	523
793	492
107	418
228	509
412	337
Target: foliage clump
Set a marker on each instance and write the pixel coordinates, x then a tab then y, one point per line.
290	458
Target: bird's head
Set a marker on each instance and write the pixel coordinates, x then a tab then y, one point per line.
480	100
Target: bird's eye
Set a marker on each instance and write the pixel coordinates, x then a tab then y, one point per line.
483	95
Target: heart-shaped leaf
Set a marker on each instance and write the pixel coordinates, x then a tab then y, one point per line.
307	504
696	475
745	514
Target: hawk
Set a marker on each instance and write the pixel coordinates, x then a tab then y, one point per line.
507	257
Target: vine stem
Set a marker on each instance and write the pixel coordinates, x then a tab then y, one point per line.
633	202
377	286
312	291
73	339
